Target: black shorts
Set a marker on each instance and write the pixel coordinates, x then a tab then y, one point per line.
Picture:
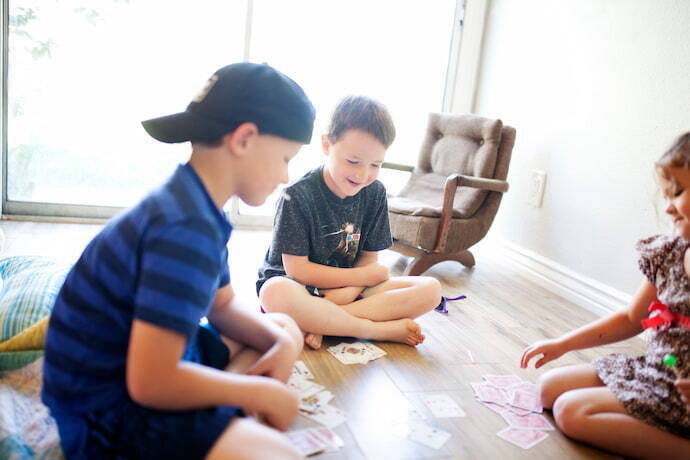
129	430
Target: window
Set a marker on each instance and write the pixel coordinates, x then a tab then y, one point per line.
82	74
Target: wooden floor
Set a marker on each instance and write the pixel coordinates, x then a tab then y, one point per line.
483	334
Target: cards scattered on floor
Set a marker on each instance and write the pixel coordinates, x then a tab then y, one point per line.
314	399
442	405
518	402
423	433
315	441
356	353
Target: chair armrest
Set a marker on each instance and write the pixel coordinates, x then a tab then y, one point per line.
452	183
492	185
397	166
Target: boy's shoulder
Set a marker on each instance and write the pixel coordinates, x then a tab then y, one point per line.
182	200
305	184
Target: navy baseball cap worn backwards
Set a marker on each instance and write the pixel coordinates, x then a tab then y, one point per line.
236	94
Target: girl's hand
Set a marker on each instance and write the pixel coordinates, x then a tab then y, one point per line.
277	362
683	386
550	349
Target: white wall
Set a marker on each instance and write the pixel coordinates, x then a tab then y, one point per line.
597	90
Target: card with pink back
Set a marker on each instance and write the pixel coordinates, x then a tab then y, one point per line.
522	438
489	393
525	400
527	422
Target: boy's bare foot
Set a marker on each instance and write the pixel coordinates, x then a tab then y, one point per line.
402	330
313	340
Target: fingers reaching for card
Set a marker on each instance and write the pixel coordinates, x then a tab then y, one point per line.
548	349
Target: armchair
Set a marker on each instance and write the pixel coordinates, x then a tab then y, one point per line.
453	194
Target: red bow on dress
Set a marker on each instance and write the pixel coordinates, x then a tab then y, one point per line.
662	318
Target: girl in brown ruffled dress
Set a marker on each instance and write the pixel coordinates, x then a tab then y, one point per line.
635	406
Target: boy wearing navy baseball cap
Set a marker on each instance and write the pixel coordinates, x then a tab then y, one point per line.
148	354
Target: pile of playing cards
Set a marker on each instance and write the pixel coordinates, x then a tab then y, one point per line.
314	398
441	405
315	441
356	353
518	402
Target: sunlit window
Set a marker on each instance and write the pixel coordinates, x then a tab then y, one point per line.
82	74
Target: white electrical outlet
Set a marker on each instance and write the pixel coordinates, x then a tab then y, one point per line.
537	183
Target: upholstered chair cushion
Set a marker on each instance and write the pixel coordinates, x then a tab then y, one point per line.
463	144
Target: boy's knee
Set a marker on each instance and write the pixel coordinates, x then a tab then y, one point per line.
275	292
289	325
429	289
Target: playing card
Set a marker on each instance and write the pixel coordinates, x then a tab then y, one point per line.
522	438
442	405
328	436
489	393
502	381
305	443
313	402
516	410
372	351
304	388
327	416
527	422
426	434
498	408
525	400
528	387
348	353
356	353
301	370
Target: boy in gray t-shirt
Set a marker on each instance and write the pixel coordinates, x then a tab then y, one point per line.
328	228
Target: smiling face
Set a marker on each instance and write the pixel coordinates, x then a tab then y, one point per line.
675	185
353	162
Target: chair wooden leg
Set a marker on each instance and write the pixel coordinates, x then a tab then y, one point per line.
464	257
424	262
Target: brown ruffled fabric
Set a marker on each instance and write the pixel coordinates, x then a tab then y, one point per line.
643	384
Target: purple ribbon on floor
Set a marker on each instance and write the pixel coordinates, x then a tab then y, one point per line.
441	308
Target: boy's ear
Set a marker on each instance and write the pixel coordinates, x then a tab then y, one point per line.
239	139
325	143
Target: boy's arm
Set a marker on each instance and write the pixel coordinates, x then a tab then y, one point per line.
348	294
253	330
157	377
301	269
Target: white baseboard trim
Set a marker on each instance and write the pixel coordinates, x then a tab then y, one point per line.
588	293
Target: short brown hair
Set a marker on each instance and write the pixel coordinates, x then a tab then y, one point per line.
675	157
364	114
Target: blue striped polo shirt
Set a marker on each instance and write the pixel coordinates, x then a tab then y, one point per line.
159	262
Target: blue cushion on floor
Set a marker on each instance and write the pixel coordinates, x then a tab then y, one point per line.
28	289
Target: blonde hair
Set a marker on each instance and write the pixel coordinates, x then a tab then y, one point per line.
678	156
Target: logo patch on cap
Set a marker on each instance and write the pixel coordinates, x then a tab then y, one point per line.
207	87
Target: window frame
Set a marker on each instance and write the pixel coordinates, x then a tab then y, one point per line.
85	213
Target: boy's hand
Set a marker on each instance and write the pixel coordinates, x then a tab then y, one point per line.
376	274
683	386
550	349
342	296
277	362
275	402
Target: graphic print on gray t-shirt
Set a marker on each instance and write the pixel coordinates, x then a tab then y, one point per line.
312	221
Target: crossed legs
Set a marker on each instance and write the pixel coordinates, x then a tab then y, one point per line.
385	312
586	410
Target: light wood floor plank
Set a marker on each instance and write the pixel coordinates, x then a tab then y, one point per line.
485	333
